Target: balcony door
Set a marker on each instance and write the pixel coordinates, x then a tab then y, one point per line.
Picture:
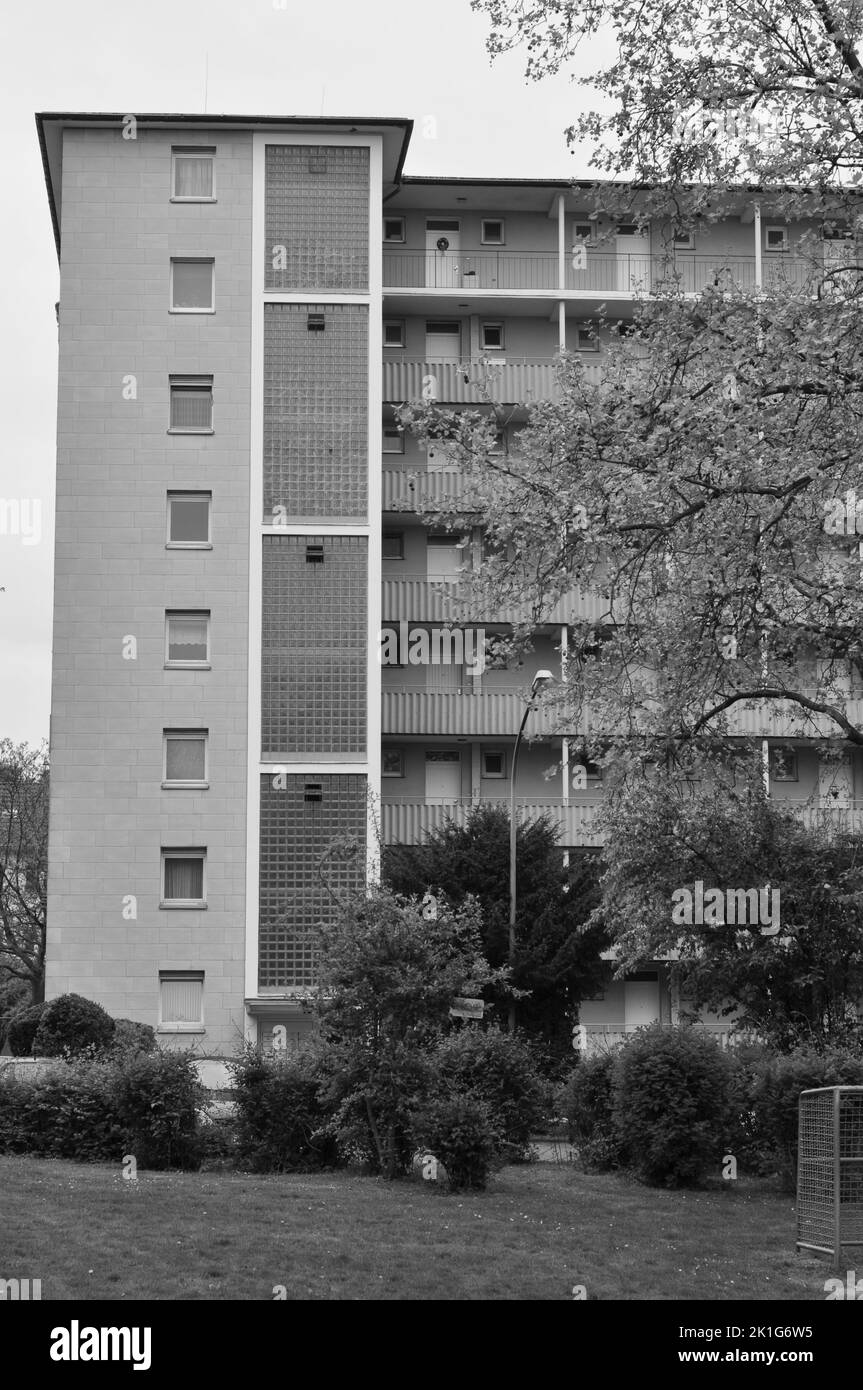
443	778
443	262
641	999
632	246
443	340
836	782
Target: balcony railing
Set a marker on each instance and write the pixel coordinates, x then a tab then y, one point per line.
594	1038
419	491
417	597
409	822
491	713
505	379
836	816
605	271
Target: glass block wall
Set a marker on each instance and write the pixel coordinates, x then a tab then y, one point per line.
310	824
316	410
315	645
317	218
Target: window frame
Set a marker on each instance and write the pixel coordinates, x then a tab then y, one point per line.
192	150
591	346
496	752
177	1025
682	241
202	383
500	325
167	853
193	309
398	753
170	543
775	228
393	535
391	432
485	239
393	240
175	663
183	783
789	754
578	230
400	325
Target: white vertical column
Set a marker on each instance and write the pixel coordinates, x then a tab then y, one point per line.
375	495
757	226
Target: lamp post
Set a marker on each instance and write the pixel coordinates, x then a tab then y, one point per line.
541	678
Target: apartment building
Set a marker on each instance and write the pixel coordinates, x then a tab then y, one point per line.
254	682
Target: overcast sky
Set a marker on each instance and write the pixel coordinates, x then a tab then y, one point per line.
331	57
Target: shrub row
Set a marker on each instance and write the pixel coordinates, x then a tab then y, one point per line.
671	1105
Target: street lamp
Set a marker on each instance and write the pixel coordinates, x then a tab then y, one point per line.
541	678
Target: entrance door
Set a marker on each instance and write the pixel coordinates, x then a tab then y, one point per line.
640	999
444	557
632	245
443	778
443	262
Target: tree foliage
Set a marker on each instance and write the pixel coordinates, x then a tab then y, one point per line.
23	863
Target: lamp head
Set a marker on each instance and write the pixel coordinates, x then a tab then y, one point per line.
541	678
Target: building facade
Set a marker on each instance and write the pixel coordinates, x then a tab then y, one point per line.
254	683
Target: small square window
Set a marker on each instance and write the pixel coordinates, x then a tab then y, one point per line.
189	518
187	638
683	241
392	762
316	323
191	404
585	231
776	238
492	337
783	765
185	758
494	762
181	1001
586	340
192	285
394	333
628	229
314	554
393	440
394	545
193	175
394	229
492	231
313	791
183	878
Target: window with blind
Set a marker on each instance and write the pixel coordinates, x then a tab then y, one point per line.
181	1000
187	639
191	404
192	177
183	878
189	518
185	758
192	285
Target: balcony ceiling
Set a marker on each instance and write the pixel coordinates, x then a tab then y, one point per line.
531	304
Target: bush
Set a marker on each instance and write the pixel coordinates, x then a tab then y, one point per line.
671	1104
14	995
498	1068
157	1097
67	1111
776	1097
132	1037
460	1131
21	1029
71	1025
587	1102
280	1122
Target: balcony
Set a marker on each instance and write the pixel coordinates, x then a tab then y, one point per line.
605	272
838	817
409	822
507	380
420	599
594	1038
486	713
405	489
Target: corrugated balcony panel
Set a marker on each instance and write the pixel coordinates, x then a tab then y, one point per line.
482	713
409	822
787	720
419	491
836	816
508	379
415	598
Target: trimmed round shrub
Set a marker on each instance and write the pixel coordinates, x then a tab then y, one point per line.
132	1037
157	1097
71	1025
498	1068
21	1029
461	1132
671	1101
281	1124
776	1098
587	1102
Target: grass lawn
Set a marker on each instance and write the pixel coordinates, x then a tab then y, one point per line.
538	1231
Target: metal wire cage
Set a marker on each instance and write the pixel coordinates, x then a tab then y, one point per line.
830	1170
